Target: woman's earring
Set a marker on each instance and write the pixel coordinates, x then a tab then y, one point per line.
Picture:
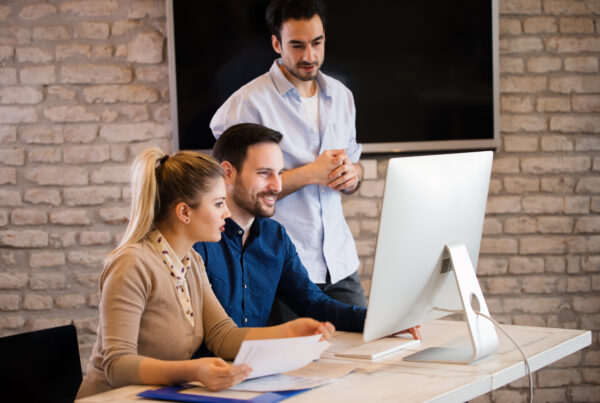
187	220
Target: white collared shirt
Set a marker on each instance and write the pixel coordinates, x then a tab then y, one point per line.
313	215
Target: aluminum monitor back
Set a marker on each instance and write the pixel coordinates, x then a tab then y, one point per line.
429	202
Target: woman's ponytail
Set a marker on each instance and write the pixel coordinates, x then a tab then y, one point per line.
144	197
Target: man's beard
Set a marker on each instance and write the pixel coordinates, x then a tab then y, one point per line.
296	72
253	207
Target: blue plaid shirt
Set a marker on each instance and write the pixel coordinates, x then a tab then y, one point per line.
247	278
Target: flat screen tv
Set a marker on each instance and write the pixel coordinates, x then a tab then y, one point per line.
424	74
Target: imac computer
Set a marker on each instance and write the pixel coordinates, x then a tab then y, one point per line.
427	249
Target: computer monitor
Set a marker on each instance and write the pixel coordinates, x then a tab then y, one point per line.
432	216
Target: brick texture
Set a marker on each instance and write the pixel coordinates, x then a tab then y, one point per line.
539	260
84	87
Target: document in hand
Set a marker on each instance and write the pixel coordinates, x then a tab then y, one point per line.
272	356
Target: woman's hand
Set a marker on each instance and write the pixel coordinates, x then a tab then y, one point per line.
216	374
306	327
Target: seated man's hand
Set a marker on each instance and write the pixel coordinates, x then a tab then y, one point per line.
414	331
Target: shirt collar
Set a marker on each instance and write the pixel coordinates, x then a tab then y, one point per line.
232	228
284	85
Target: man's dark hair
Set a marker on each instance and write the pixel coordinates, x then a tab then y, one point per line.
279	11
233	144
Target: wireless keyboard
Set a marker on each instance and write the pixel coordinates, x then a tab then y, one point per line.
378	348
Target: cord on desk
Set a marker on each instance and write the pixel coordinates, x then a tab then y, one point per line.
525	359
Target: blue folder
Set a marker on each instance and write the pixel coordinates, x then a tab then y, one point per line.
171	393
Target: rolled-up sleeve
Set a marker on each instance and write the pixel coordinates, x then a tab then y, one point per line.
354	149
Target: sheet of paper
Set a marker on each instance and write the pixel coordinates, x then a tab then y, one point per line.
316	373
323	369
273	356
230	393
280	382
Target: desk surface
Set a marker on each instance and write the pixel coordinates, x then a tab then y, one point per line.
391	378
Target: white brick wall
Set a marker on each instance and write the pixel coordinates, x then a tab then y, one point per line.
84	87
540	260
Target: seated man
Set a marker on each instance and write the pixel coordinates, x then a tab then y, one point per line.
255	260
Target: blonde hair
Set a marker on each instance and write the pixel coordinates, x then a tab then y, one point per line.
158	182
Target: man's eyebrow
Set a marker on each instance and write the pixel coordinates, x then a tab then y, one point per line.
299	42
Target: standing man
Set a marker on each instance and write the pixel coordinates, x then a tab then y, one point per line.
316	115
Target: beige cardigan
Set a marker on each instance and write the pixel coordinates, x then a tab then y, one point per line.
140	316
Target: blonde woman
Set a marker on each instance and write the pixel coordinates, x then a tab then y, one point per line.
156	304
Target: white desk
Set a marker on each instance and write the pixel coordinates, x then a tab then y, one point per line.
390	378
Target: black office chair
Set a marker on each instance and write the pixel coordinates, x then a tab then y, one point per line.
40	366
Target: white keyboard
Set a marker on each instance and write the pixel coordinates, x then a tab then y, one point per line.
378	348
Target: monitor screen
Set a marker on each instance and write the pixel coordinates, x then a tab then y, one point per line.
429	202
422	73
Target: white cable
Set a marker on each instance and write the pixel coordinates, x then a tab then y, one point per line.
527	367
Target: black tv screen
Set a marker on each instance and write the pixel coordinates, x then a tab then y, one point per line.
422	73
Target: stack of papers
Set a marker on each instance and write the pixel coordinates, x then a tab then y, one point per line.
315	374
267	358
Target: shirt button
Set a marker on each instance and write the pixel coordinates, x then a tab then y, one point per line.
245	320
240	232
245	285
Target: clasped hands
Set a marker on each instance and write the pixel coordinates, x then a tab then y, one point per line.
334	169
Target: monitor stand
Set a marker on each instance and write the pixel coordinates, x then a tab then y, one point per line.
483	336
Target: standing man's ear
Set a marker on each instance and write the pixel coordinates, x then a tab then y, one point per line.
229	172
276	44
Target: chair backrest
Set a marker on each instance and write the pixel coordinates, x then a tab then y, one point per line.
40	366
